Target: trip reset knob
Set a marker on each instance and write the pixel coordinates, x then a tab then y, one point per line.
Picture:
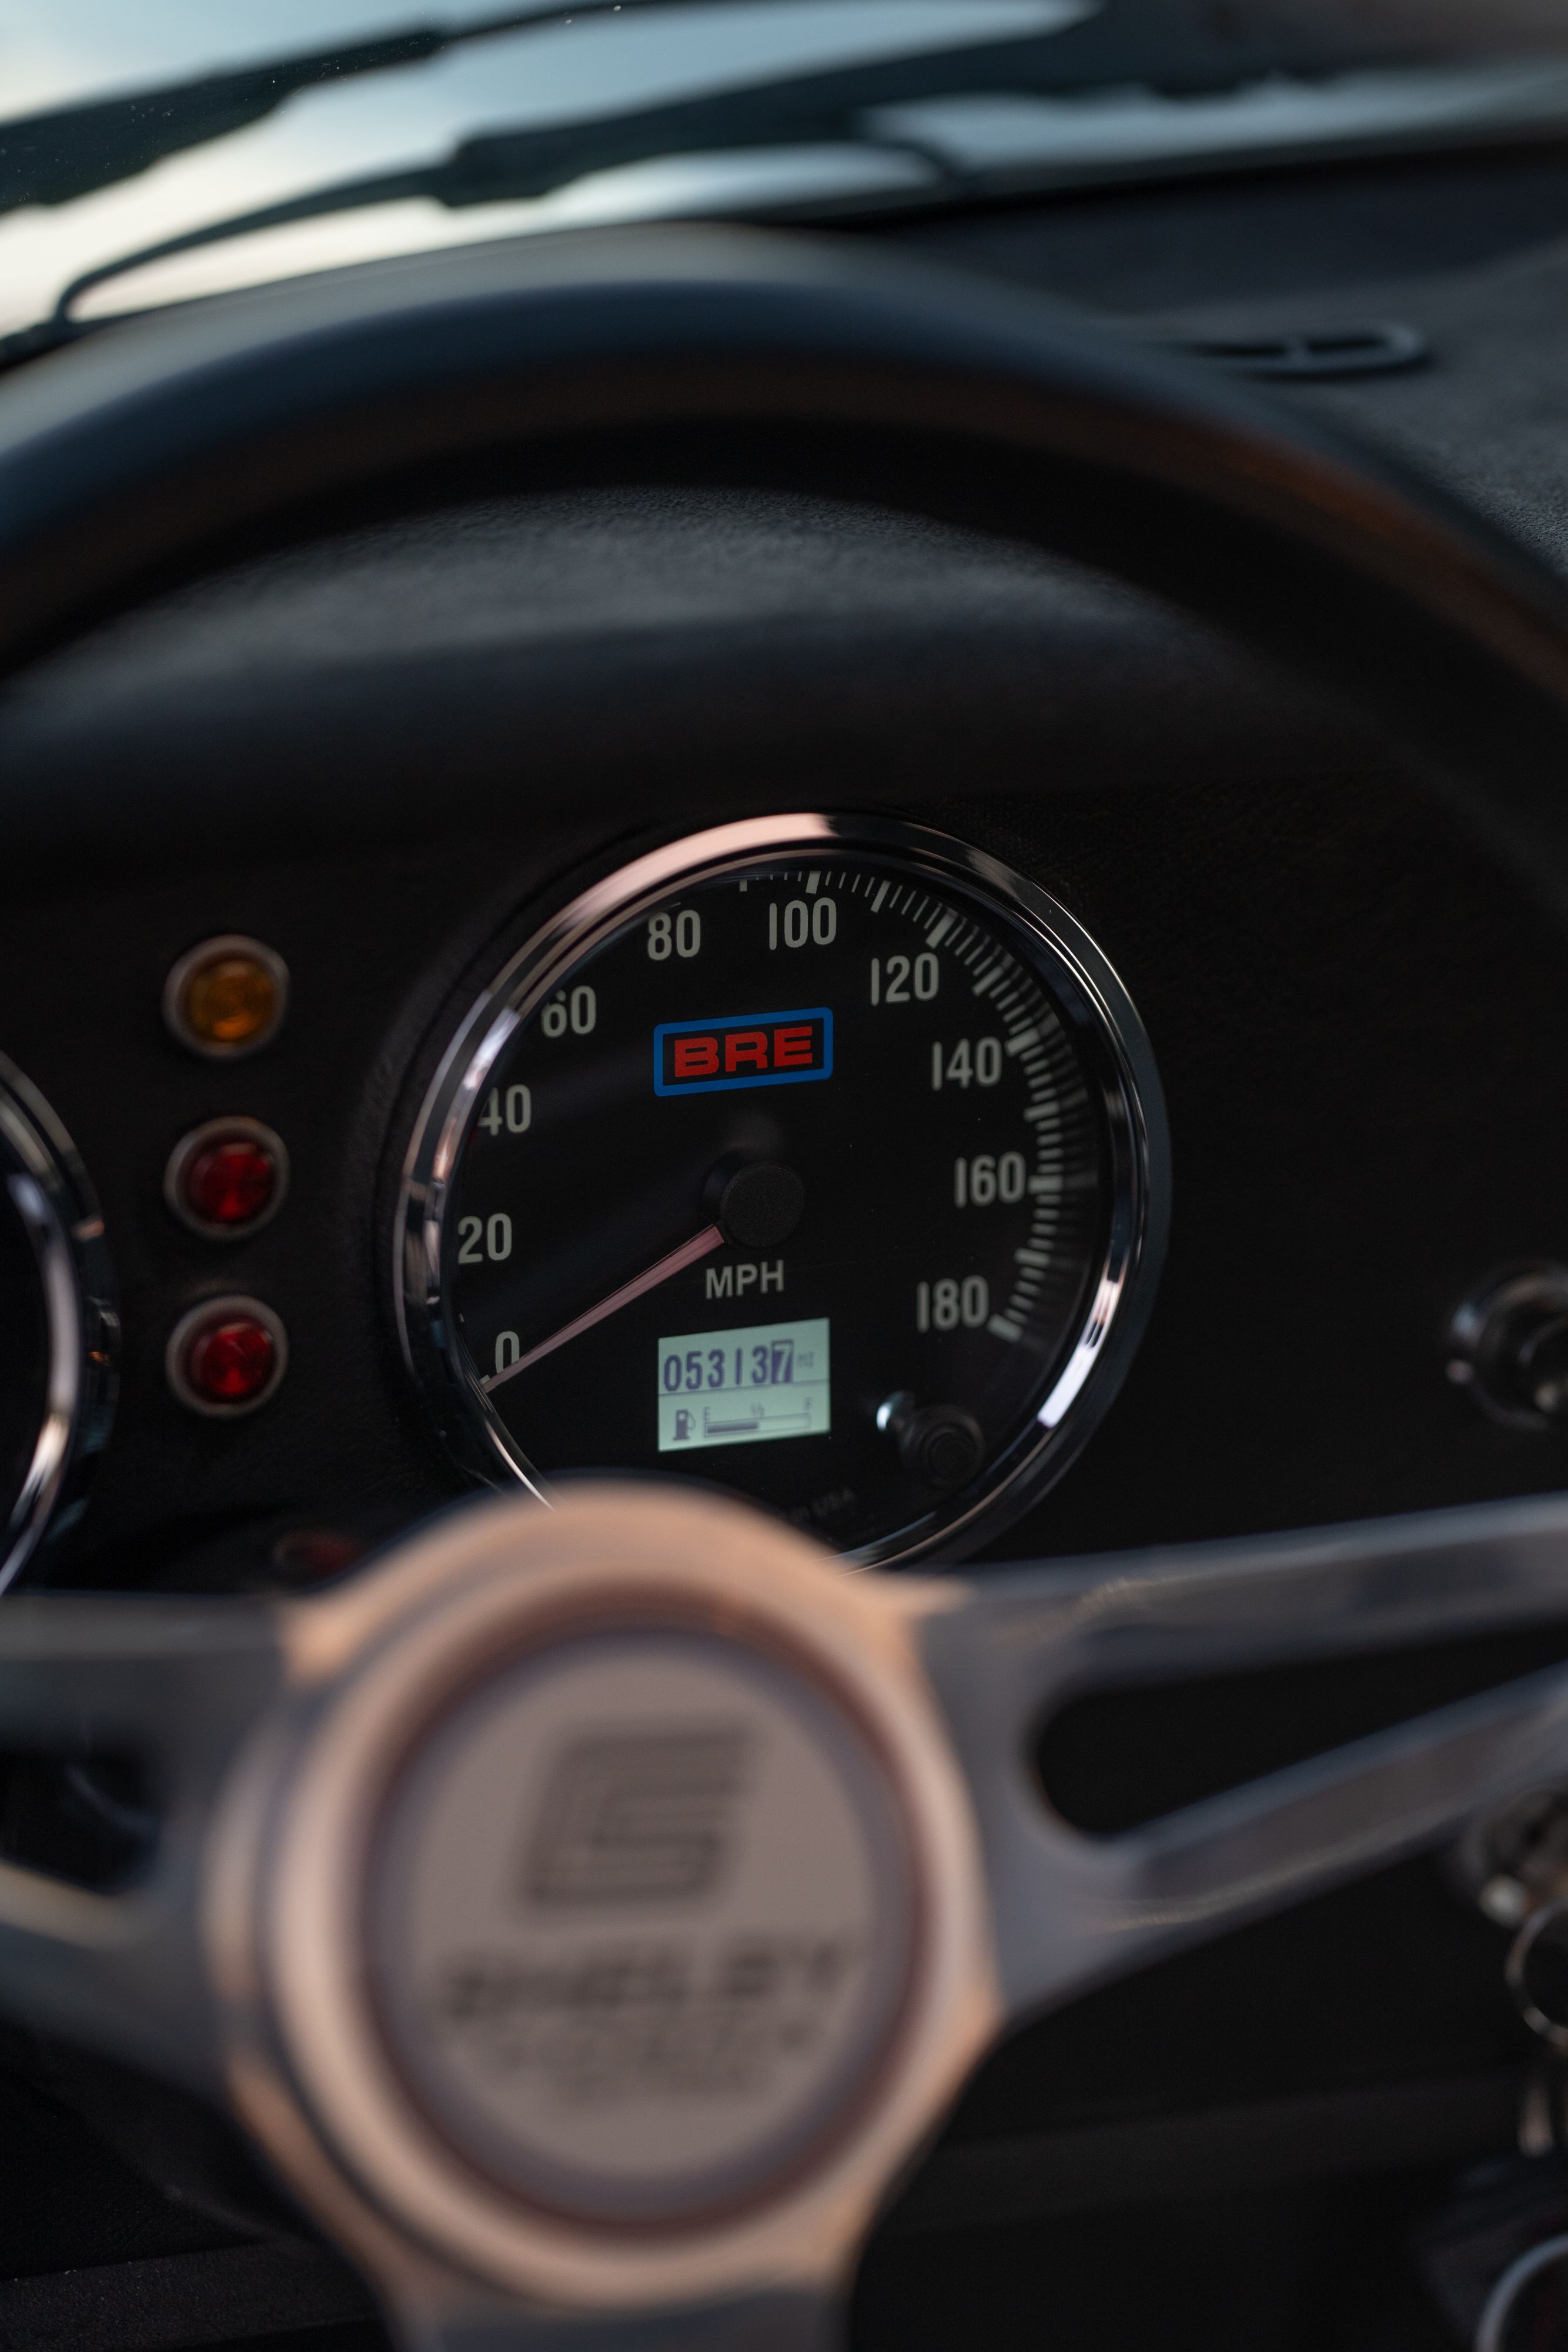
940	1445
1509	1345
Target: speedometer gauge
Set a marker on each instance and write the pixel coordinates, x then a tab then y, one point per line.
819	1158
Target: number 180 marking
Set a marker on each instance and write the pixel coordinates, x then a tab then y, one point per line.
943	1305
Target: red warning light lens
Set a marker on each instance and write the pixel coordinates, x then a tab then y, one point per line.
226	1176
230	1182
227	1356
230	1362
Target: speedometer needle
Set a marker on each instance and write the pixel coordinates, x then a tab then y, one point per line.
711	1237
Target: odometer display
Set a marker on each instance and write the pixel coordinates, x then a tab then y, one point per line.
821	1159
742	1388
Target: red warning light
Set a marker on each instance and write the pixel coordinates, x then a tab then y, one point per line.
227	1356
232	1363
231	1183
227	1177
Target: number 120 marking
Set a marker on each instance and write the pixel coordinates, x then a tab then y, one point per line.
893	988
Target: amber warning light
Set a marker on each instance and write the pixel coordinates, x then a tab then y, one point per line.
753	1049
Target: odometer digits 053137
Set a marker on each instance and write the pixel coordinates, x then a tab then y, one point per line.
819	1158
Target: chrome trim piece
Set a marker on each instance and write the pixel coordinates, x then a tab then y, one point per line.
52	1198
236	943
222	1131
1492	2330
1548	1920
217	1311
1093	1002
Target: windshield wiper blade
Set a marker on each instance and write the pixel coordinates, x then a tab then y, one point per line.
1176	52
69	151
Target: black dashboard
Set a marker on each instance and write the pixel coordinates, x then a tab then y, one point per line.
1330	984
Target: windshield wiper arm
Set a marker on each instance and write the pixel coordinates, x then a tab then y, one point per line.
53	158
1175	53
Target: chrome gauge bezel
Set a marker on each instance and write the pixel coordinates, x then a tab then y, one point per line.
49	1192
1103	1018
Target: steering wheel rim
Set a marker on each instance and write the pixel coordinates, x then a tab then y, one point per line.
147	448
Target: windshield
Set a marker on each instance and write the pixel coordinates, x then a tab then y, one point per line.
154	152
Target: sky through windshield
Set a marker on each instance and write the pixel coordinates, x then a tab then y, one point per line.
60	53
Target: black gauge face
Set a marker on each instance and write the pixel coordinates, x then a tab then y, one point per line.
821	1174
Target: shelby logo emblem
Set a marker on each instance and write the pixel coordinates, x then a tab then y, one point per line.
638	1818
757	1049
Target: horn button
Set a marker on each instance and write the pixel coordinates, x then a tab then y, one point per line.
642	1919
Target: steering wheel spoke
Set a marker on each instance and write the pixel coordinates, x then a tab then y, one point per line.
132	1710
1072	1910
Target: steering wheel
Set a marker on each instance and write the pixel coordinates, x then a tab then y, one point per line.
590	1911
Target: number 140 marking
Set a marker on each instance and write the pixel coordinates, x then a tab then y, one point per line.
978	1063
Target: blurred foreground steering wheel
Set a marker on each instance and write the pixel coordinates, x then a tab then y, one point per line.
590	1911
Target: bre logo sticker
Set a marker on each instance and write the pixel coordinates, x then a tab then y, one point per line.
757	1049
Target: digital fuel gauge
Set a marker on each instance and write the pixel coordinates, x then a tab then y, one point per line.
826	1153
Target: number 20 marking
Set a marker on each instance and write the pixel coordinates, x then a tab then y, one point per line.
495	1237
